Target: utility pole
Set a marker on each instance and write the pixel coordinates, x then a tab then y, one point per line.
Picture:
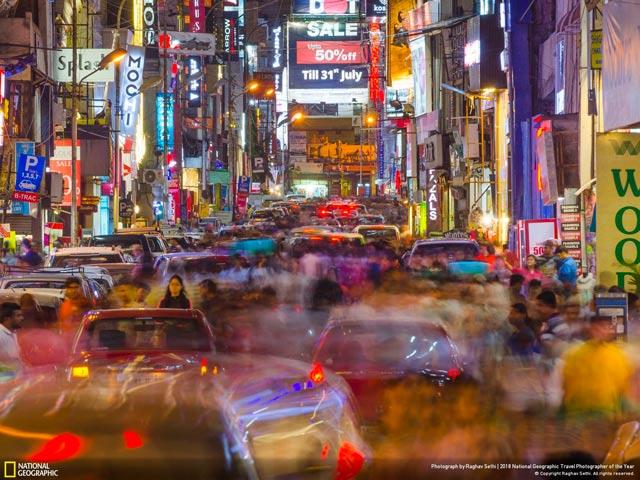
74	123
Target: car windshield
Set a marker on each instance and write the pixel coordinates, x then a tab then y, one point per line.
384	233
75	261
124	241
440	254
51	284
390	346
144	333
197	266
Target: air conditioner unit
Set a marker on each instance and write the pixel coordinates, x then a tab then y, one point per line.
152	176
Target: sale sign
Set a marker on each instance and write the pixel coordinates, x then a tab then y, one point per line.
61	163
340	52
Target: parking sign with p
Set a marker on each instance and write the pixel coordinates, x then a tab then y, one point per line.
29	173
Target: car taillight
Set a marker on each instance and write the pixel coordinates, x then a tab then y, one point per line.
132	439
203	366
316	374
63	446
453	373
350	462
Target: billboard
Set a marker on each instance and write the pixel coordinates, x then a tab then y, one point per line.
187	43
326	7
618	216
327	58
150	22
398	51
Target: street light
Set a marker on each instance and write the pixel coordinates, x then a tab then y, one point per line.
115	56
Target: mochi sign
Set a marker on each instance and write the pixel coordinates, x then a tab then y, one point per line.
618	209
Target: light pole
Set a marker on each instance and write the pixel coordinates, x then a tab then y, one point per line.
115	56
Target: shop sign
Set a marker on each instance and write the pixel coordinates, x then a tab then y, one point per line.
570	230
130	81
233	29
150	22
618	218
164	121
194	87
377	8
196	16
87	61
596	49
276	35
187	43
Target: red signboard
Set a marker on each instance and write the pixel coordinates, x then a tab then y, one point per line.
333	52
61	163
196	16
25	197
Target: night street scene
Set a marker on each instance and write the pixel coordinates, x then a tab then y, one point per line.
319	239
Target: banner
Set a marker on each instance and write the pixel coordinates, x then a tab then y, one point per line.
618	219
398	52
131	71
621	65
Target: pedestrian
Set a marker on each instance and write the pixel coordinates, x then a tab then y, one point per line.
523	340
237	273
142	291
531	270
487	254
74	306
547	262
516	282
500	270
209	301
510	258
175	296
555	331
174	246
124	294
566	268
10	321
596	374
29	257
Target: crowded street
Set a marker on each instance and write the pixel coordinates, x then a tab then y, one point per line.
319	239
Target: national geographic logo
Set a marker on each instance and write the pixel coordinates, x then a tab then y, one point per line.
14	469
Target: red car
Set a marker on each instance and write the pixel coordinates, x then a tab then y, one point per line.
373	353
340	210
152	341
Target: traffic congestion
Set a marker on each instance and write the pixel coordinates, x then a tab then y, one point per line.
313	339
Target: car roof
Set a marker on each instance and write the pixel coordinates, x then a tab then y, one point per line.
435	241
378	226
191	255
45	276
44	297
86	251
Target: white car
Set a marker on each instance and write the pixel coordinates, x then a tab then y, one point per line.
80	256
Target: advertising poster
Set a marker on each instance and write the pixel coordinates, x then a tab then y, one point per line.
421	85
327	57
398	51
326	7
618	218
61	163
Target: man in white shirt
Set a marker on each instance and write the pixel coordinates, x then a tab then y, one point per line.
10	320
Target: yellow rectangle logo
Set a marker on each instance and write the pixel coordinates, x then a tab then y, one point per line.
9	469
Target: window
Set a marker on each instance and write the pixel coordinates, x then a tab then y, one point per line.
148	333
155	244
50	284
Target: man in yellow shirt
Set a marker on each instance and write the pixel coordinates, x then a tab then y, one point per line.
596	374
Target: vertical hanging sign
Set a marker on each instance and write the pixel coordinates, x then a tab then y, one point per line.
196	16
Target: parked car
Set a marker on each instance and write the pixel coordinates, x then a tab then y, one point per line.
150	243
375	233
77	256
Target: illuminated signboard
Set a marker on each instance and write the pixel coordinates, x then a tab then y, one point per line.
149	21
326	7
194	87
327	57
484	44
233	29
164	120
196	16
276	34
377	8
130	81
187	43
